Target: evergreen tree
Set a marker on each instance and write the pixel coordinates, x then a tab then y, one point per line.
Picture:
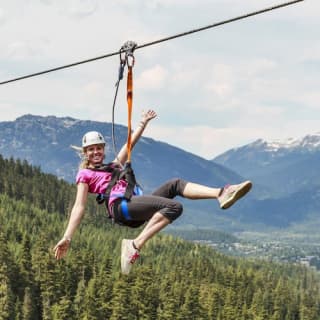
79	300
229	309
144	295
310	308
91	302
215	303
121	300
63	310
191	309
280	300
105	287
169	306
257	307
27	306
6	296
17	310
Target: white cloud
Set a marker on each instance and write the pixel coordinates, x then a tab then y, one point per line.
153	78
259	67
93	88
81	8
204	140
310	100
20	50
221	81
2	16
74	8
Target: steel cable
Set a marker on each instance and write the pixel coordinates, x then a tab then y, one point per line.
155	42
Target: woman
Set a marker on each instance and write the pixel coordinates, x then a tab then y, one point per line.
159	209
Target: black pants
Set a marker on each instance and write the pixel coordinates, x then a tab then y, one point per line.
142	208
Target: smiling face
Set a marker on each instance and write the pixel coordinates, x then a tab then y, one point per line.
95	154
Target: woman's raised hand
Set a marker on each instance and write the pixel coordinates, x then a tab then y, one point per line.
148	115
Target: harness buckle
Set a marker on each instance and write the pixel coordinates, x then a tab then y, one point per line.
101	198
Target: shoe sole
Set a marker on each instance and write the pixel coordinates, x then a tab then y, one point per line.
123	248
245	188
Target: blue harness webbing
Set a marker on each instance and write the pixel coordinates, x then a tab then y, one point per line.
124	209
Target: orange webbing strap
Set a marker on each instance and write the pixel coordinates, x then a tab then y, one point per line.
129	101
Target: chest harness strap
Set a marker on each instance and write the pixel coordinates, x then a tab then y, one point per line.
117	174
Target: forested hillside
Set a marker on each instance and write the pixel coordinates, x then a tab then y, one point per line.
175	279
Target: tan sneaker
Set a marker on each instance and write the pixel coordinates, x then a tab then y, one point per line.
128	255
231	193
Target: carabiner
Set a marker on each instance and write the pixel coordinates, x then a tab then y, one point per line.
130	60
129	47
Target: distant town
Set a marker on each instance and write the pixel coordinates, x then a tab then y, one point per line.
308	256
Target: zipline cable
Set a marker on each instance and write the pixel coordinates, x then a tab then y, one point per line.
157	41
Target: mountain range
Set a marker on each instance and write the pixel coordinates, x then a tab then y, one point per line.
284	167
286	185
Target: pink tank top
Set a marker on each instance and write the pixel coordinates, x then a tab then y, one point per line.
98	183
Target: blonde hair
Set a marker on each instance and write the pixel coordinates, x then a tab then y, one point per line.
84	164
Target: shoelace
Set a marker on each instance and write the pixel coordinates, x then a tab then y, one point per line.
225	190
134	257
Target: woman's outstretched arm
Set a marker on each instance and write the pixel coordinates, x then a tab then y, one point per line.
145	118
77	212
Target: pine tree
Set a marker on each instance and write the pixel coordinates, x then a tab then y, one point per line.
310	308
17	310
105	287
169	307
79	306
257	309
230	311
29	309
144	295
91	303
121	300
215	301
63	310
191	309
280	296
6	296
27	306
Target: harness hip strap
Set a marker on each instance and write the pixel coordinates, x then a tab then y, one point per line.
124	209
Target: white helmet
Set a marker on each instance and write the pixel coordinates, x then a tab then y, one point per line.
92	137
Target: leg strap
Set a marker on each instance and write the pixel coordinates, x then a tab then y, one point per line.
124	209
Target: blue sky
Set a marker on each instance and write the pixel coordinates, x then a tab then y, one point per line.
213	90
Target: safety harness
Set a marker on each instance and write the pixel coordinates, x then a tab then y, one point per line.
133	188
126	173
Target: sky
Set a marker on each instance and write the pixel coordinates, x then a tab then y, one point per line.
214	90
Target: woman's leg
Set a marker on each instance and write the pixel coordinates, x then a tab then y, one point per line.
158	211
198	191
154	225
226	195
179	187
130	249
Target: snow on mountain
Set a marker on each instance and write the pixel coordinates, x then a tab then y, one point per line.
308	143
284	166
